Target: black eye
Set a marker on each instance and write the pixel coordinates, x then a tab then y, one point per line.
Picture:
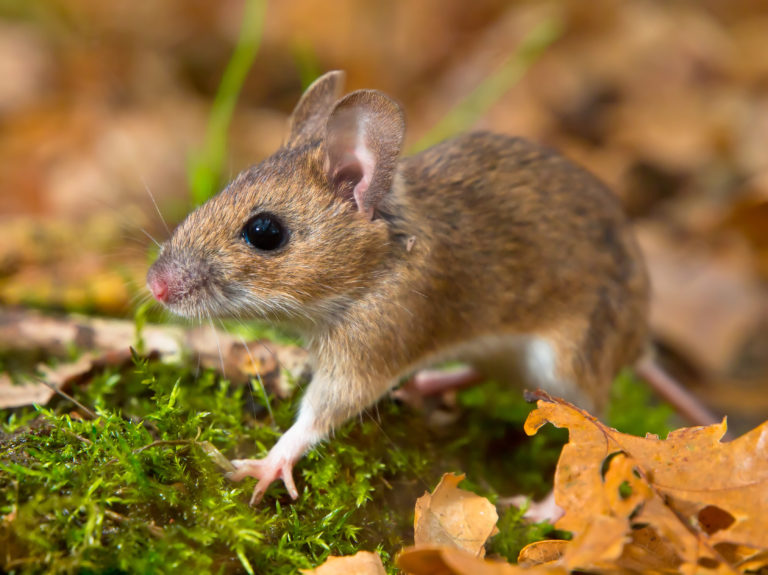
264	232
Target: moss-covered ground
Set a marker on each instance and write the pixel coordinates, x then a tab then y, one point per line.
127	482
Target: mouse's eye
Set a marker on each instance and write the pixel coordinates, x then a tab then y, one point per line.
264	232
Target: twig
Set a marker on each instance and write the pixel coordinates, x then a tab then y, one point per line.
155	444
76	436
122	519
55	389
164	442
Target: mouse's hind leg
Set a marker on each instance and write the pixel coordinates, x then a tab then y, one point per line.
520	360
584	366
554	361
482	356
435	381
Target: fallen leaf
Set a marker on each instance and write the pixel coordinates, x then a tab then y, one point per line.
454	517
541	552
747	560
60	377
14	394
749	215
598	546
107	342
649	552
705	305
361	563
454	561
647	503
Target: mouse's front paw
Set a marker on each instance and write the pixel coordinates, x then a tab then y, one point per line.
267	471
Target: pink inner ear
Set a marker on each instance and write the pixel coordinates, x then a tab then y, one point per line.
367	164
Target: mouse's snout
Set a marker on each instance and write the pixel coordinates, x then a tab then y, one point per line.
157	285
171	281
159	282
184	284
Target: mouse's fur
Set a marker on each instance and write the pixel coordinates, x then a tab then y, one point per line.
484	248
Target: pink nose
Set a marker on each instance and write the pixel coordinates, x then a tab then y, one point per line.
159	288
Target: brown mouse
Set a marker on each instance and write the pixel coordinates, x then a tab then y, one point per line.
485	248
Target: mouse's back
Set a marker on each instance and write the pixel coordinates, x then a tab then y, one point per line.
514	238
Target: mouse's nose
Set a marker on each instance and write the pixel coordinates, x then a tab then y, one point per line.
180	285
158	286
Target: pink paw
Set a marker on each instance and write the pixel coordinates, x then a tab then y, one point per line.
430	382
538	511
267	471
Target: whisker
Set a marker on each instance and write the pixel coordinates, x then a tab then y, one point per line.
388	439
157	208
263	344
146	233
199	355
218	346
122	214
139	298
267	403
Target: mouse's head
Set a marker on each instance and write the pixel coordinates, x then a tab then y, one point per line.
296	236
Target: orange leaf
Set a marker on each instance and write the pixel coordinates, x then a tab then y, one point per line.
361	563
453	561
541	552
662	504
454	517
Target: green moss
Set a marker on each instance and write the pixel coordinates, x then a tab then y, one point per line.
515	533
635	410
90	495
135	490
497	449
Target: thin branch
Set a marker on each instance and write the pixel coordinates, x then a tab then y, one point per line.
65	395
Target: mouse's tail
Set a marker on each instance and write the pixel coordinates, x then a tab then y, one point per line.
683	401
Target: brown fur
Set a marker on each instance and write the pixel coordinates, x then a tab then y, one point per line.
483	238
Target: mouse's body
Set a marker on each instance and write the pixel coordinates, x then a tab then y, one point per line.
485	249
544	278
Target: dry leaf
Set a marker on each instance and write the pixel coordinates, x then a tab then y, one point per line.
598	546
705	305
361	563
749	216
541	552
19	394
61	377
453	561
109	341
454	517
646	503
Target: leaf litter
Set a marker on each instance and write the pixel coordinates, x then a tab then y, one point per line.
689	503
107	341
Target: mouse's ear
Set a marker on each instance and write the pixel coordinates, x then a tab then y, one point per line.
311	113
363	138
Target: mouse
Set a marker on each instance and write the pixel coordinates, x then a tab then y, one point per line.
486	249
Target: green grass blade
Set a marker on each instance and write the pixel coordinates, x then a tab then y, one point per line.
206	168
479	101
307	63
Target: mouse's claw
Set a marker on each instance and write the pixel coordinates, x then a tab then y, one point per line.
267	471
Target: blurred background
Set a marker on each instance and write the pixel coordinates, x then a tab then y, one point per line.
105	105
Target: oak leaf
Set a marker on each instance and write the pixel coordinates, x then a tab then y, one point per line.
361	563
454	517
445	560
689	503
